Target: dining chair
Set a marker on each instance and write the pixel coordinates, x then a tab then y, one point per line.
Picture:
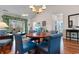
45	40
5	40
22	34
23	47
53	45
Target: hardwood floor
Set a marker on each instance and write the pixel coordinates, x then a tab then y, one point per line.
6	49
70	47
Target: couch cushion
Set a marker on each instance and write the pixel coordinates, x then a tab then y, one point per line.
4	41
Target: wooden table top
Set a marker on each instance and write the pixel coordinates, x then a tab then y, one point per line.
41	35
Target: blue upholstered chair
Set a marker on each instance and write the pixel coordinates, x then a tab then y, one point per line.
23	47
21	33
52	32
53	45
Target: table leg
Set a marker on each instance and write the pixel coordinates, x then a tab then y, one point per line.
37	51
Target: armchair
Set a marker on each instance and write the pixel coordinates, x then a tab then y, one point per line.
53	45
23	47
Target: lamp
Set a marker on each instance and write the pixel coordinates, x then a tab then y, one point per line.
37	8
3	24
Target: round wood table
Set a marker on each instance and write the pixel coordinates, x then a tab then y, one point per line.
38	37
41	35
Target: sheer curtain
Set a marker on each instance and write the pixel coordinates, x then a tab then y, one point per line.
17	25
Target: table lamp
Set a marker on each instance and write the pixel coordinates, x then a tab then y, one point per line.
3	25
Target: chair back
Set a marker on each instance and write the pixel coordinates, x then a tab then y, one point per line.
54	43
22	34
19	43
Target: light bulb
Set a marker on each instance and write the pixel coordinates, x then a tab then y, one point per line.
43	7
31	6
40	10
33	9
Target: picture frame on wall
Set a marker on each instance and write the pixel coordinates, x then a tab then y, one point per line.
43	23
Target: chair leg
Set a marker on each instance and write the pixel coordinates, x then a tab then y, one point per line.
15	51
31	51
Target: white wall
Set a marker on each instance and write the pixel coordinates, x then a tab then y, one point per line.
57	9
44	17
1	16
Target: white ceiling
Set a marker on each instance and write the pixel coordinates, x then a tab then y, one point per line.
18	10
24	9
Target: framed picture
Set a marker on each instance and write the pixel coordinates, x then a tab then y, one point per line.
43	23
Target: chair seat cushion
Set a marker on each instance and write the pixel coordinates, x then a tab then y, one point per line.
28	45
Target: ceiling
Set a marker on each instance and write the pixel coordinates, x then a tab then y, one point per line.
18	10
24	9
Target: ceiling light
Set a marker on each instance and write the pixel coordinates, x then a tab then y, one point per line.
37	8
24	14
43	7
31	6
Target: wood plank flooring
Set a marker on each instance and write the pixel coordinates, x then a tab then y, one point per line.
71	47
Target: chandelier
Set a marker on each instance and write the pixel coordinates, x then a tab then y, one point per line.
38	8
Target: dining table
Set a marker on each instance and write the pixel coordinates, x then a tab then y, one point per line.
38	37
